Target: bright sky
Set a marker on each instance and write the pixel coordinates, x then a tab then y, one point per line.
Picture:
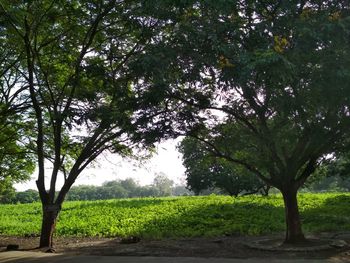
111	167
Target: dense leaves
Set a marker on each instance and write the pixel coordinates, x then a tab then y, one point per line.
17	161
16	157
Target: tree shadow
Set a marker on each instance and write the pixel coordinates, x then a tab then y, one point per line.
216	220
180	218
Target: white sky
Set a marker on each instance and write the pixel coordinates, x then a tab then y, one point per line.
111	167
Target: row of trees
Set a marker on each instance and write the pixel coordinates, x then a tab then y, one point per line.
233	186
161	186
261	84
219	177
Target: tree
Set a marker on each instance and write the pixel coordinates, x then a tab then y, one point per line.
28	196
122	188
83	192
7	192
181	190
332	175
278	73
198	172
148	191
131	187
162	184
16	161
75	65
204	171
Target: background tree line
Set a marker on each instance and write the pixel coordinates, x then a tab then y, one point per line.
127	188
204	175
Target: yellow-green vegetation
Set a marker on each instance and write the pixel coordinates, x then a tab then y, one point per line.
181	216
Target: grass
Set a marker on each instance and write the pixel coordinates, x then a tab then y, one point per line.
181	216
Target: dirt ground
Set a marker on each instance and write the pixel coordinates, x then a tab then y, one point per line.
223	247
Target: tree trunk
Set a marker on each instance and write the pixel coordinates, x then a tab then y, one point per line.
294	233
50	213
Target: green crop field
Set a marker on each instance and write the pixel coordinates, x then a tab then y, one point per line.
181	216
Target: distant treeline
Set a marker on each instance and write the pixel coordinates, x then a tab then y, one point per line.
162	186
321	181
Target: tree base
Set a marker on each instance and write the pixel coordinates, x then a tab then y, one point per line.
296	240
308	245
50	250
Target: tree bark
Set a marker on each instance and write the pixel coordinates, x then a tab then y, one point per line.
294	233
50	213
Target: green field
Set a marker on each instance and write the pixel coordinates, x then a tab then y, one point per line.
181	216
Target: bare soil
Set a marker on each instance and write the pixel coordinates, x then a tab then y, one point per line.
223	247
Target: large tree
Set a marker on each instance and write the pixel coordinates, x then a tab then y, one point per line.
76	66
273	76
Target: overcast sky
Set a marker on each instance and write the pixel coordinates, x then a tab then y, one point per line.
111	167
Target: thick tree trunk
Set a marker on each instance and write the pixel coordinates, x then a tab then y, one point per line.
294	233
50	213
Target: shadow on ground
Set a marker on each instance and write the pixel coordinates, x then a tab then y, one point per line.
17	257
176	219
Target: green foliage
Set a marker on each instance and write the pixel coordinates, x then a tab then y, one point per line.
163	185
17	162
204	170
333	175
181	217
28	196
7	191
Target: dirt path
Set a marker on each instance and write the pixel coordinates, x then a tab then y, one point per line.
224	249
36	257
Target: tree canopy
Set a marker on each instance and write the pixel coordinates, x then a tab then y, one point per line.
278	73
